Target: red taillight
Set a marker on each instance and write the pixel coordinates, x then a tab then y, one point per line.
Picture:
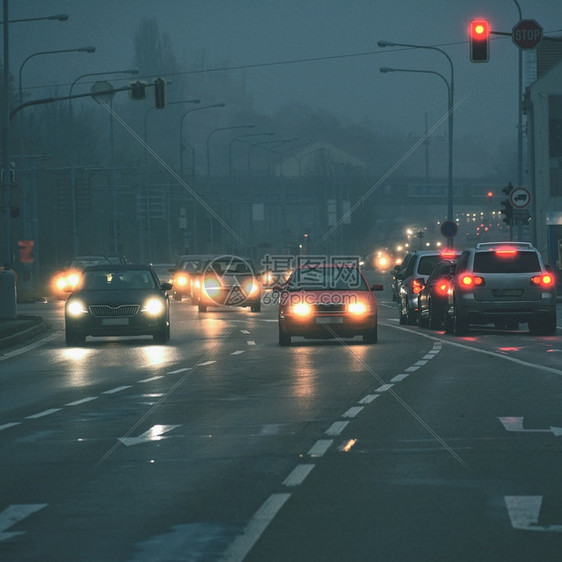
471	281
417	286
442	287
545	280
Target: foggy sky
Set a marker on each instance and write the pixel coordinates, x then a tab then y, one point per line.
344	33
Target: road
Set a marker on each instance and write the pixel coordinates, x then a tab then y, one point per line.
224	446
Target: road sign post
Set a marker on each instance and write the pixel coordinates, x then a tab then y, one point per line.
526	34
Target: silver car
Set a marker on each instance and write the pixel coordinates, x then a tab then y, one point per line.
504	283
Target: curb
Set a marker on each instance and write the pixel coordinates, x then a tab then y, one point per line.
30	328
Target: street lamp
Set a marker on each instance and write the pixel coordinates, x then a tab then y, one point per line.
450	113
146	182
181	129
238	138
78	50
215	131
75	246
59	17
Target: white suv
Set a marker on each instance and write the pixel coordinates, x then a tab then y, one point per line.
503	283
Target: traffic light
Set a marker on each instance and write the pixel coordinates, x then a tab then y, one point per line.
507	207
159	93
138	90
479	39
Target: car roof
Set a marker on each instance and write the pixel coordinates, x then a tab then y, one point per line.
118	267
492	245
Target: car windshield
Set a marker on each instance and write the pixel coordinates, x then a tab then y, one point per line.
506	262
229	267
327	279
110	280
427	263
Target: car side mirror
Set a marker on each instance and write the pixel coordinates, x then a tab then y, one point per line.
166	286
377	287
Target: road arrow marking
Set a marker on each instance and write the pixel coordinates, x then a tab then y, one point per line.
516	425
524	514
155	433
14	514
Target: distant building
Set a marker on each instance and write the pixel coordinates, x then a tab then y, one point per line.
543	104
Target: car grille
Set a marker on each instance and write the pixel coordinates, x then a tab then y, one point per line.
329	307
106	311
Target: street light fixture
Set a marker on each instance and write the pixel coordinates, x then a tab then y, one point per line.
146	182
181	129
238	138
451	85
78	50
215	131
59	17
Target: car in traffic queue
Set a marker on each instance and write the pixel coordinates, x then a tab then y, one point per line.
505	284
327	301
226	280
66	280
118	300
434	296
409	280
183	275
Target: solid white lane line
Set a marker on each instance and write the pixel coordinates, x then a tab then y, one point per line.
399	378
116	389
82	401
298	475
368	399
29	347
352	412
8	425
238	352
320	447
336	428
238	549
43	414
152	378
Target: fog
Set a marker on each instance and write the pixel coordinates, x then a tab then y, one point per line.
322	53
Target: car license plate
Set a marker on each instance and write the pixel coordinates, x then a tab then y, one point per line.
329	320
115	322
508	292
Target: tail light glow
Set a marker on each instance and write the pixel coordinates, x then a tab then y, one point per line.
545	280
471	281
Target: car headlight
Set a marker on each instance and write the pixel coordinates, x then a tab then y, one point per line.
301	309
72	280
251	288
76	308
181	280
357	308
153	307
60	282
211	287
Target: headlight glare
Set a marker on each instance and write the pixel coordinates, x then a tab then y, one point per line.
76	308
357	308
153	307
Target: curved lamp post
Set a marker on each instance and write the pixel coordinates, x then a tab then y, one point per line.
78	50
450	113
241	137
216	131
181	129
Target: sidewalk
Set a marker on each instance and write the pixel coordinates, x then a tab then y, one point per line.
20	330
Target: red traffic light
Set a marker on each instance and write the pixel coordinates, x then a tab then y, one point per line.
479	29
479	38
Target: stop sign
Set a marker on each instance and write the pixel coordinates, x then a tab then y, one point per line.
526	34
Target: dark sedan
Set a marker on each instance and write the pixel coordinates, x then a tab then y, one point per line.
433	297
118	300
329	301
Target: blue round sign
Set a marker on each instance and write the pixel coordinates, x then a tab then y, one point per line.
449	229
